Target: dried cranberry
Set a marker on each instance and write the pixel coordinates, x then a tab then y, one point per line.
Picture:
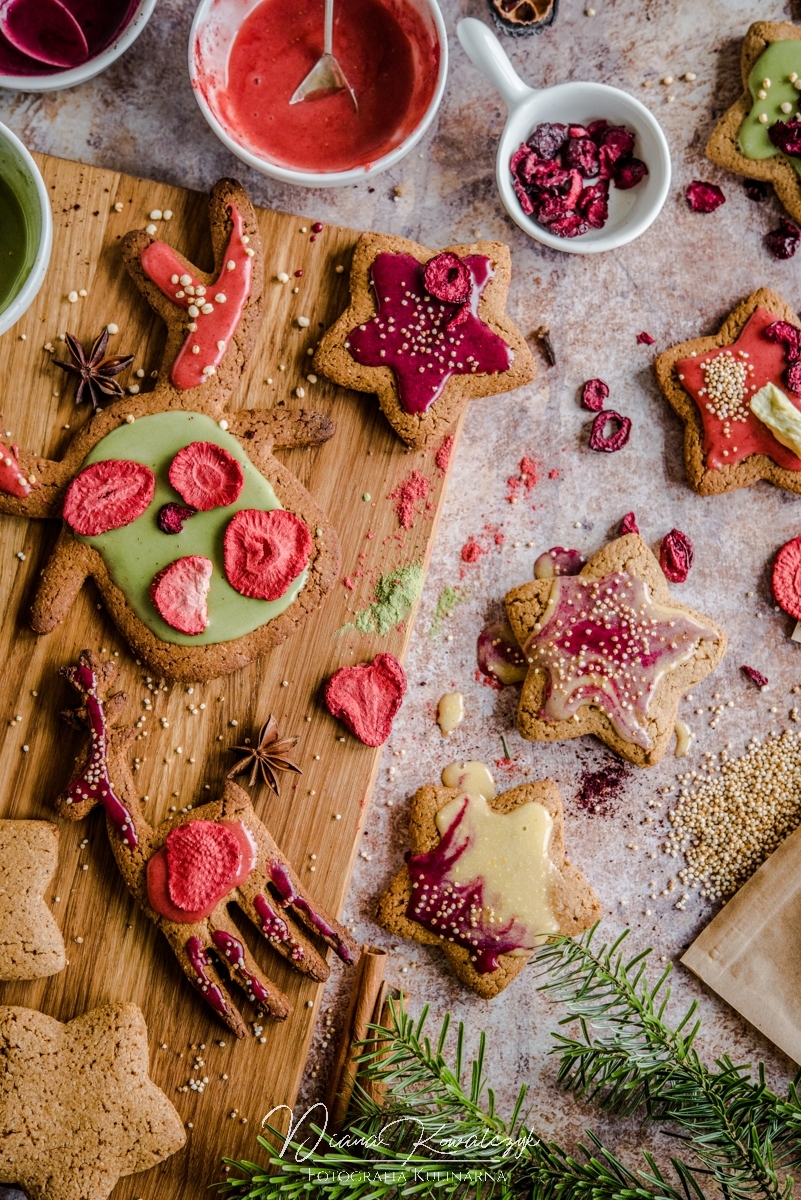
608	444
523	164
547	139
594	394
629	524
618	142
551	208
577	131
569	226
171	517
448	278
755	189
574	190
596	130
628	172
792	377
523	197
551	176
676	556
789	335
755	676
644	339
581	154
704	197
786	135
783	242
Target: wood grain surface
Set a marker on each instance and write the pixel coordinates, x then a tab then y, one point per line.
114	953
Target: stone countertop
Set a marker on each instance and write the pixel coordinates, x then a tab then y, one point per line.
677	281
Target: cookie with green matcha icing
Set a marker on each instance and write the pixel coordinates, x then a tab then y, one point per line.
759	136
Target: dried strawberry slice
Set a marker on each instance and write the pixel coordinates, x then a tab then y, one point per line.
755	676
172	516
265	551
787	578
792	377
628	172
704	197
788	335
206	476
783	242
179	593
448	278
676	556
786	135
108	495
594	394
609	443
367	697
203	861
629	524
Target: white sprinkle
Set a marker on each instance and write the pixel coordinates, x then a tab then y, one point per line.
220	298
312	378
134	389
118	207
130	418
73	297
167	214
151	229
224	425
230	265
282	277
193	310
300	392
156	214
113	328
304	322
185	280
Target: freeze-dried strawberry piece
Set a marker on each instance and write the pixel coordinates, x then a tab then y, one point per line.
787	578
704	197
628	172
265	551
179	593
206	476
448	278
788	335
172	516
577	131
756	190
609	443
644	339
629	524
676	556
593	203
367	697
569	226
581	154
594	394
203	861
547	139
108	495
786	135
755	676
792	377
783	242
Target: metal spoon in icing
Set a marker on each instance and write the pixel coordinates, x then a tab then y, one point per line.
44	30
326	75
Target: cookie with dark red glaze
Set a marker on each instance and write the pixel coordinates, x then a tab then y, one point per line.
119	487
708	470
426	355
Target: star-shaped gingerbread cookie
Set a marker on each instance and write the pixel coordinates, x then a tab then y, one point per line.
749	137
609	652
31	946
736	433
77	1109
487	881
427	332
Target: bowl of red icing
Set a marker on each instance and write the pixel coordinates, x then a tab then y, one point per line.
46	45
247	57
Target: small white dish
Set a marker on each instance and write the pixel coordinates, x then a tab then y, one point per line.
88	70
24	177
630	212
214	29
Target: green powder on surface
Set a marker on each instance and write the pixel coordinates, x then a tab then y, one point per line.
394	598
448	600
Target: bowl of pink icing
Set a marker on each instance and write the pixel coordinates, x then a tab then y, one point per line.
46	45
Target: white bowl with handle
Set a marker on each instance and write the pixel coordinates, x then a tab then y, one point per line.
22	175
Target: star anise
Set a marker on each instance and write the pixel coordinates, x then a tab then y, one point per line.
95	372
268	756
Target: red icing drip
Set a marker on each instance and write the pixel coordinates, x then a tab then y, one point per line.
215	329
12	481
274	926
424	340
160	867
750	436
210	992
233	952
455	912
94	783
280	878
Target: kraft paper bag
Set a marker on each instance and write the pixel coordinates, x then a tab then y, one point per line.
750	954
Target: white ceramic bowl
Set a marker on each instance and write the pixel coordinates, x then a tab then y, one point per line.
630	212
22	173
87	70
213	32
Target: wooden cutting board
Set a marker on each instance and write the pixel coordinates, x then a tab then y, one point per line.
122	957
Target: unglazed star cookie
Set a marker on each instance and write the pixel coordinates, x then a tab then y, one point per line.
207	552
31	946
735	393
427	332
487	881
77	1109
609	652
186	871
760	135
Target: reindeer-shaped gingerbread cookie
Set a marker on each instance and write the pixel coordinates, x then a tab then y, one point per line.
185	872
206	550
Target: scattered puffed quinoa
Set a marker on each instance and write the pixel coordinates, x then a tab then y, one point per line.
111	328
119	206
156	214
151	229
73	297
304	322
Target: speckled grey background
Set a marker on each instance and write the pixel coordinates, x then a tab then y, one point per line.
677	281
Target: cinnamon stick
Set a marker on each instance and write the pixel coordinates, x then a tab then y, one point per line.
367	987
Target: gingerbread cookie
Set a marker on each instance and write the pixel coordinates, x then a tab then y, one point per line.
77	1109
736	393
760	135
31	946
427	332
206	551
487	881
185	872
609	652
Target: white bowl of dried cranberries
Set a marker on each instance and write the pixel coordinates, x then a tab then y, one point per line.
581	167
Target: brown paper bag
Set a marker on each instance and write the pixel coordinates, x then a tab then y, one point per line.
750	954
